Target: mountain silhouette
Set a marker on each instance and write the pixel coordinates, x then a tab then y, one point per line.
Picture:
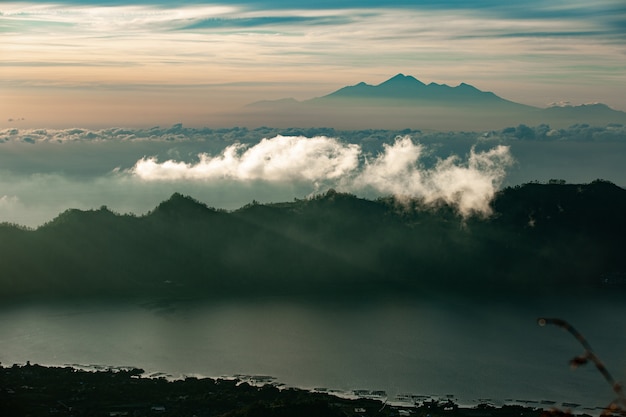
542	238
408	88
596	113
403	101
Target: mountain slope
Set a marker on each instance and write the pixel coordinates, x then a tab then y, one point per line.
542	238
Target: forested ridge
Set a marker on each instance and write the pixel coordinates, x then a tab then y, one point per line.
540	238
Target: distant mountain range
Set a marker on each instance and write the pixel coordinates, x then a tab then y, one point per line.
408	90
404	101
541	239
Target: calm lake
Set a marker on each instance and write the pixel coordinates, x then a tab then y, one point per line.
472	350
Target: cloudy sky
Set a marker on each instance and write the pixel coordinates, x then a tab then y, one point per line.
71	63
73	70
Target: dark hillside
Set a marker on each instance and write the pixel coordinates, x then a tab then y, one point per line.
541	238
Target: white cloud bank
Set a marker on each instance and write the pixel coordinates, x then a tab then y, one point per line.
282	158
326	162
469	185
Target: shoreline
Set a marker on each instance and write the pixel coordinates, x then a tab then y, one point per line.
34	388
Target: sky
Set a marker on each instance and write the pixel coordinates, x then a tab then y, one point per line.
141	63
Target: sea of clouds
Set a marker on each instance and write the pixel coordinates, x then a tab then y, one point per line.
43	172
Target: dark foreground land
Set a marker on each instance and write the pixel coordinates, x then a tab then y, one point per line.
33	390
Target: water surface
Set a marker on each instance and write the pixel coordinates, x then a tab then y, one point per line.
472	350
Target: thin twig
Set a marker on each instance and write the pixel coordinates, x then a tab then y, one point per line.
589	355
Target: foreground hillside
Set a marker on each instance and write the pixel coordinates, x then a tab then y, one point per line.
540	238
42	391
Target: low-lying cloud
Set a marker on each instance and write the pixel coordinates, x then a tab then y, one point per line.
321	161
282	158
469	185
45	171
8	201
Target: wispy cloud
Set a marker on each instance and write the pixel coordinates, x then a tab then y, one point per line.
8	202
469	185
253	22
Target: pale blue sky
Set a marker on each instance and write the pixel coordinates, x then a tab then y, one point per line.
136	62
